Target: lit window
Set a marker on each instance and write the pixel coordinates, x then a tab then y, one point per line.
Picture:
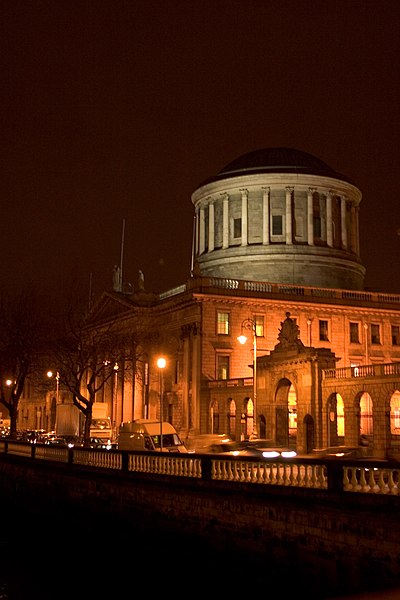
223	323
366	421
259	323
222	366
395	413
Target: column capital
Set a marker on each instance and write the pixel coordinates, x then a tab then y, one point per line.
289	189
244	191
266	189
311	190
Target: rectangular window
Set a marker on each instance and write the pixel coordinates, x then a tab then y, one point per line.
375	334
277	225
222	366
323	331
237	228
395	335
317	226
223	323
259	323
354	333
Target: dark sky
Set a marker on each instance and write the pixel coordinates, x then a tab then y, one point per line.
116	111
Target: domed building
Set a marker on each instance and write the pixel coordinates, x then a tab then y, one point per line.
275	256
279	215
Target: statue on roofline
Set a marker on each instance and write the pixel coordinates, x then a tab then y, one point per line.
289	335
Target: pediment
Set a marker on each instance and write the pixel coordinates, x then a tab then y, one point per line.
109	307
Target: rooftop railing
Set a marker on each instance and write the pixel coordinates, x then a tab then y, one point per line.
274	289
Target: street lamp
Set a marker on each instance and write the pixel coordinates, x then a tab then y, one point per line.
250	325
161	364
50	375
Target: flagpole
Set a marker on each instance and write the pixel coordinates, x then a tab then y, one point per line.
122	254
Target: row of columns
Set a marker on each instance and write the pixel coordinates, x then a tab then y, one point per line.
201	221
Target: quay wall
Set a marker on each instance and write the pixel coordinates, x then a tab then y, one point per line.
336	540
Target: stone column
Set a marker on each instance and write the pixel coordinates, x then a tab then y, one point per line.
225	221
329	223
196	379
202	240
310	216
289	190
245	196
210	225
185	382
265	224
357	230
196	233
353	243
343	206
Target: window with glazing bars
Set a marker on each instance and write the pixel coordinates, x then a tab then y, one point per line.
223	323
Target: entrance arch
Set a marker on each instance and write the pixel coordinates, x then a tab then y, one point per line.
285	413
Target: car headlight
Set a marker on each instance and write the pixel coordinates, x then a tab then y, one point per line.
270	454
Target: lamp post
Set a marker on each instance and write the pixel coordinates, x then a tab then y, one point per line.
50	374
115	399
161	363
250	325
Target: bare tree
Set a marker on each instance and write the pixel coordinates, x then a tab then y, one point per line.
84	359
89	345
23	337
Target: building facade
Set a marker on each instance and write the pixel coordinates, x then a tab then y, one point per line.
276	245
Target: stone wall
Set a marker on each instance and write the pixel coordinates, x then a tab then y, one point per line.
335	540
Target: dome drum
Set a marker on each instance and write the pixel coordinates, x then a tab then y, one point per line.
251	220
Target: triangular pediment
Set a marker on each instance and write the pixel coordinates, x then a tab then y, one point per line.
108	308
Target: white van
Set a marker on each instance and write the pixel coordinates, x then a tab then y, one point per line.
144	434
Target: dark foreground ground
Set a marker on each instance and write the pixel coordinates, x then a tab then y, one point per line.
74	556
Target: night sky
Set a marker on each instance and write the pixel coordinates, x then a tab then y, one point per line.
117	111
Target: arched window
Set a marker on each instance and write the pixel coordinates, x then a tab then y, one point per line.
366	421
340	415
395	413
249	418
232	419
292	413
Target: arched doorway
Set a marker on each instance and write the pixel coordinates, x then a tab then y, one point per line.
214	417
335	428
286	414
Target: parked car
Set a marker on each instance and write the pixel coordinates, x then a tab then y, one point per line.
57	440
101	443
